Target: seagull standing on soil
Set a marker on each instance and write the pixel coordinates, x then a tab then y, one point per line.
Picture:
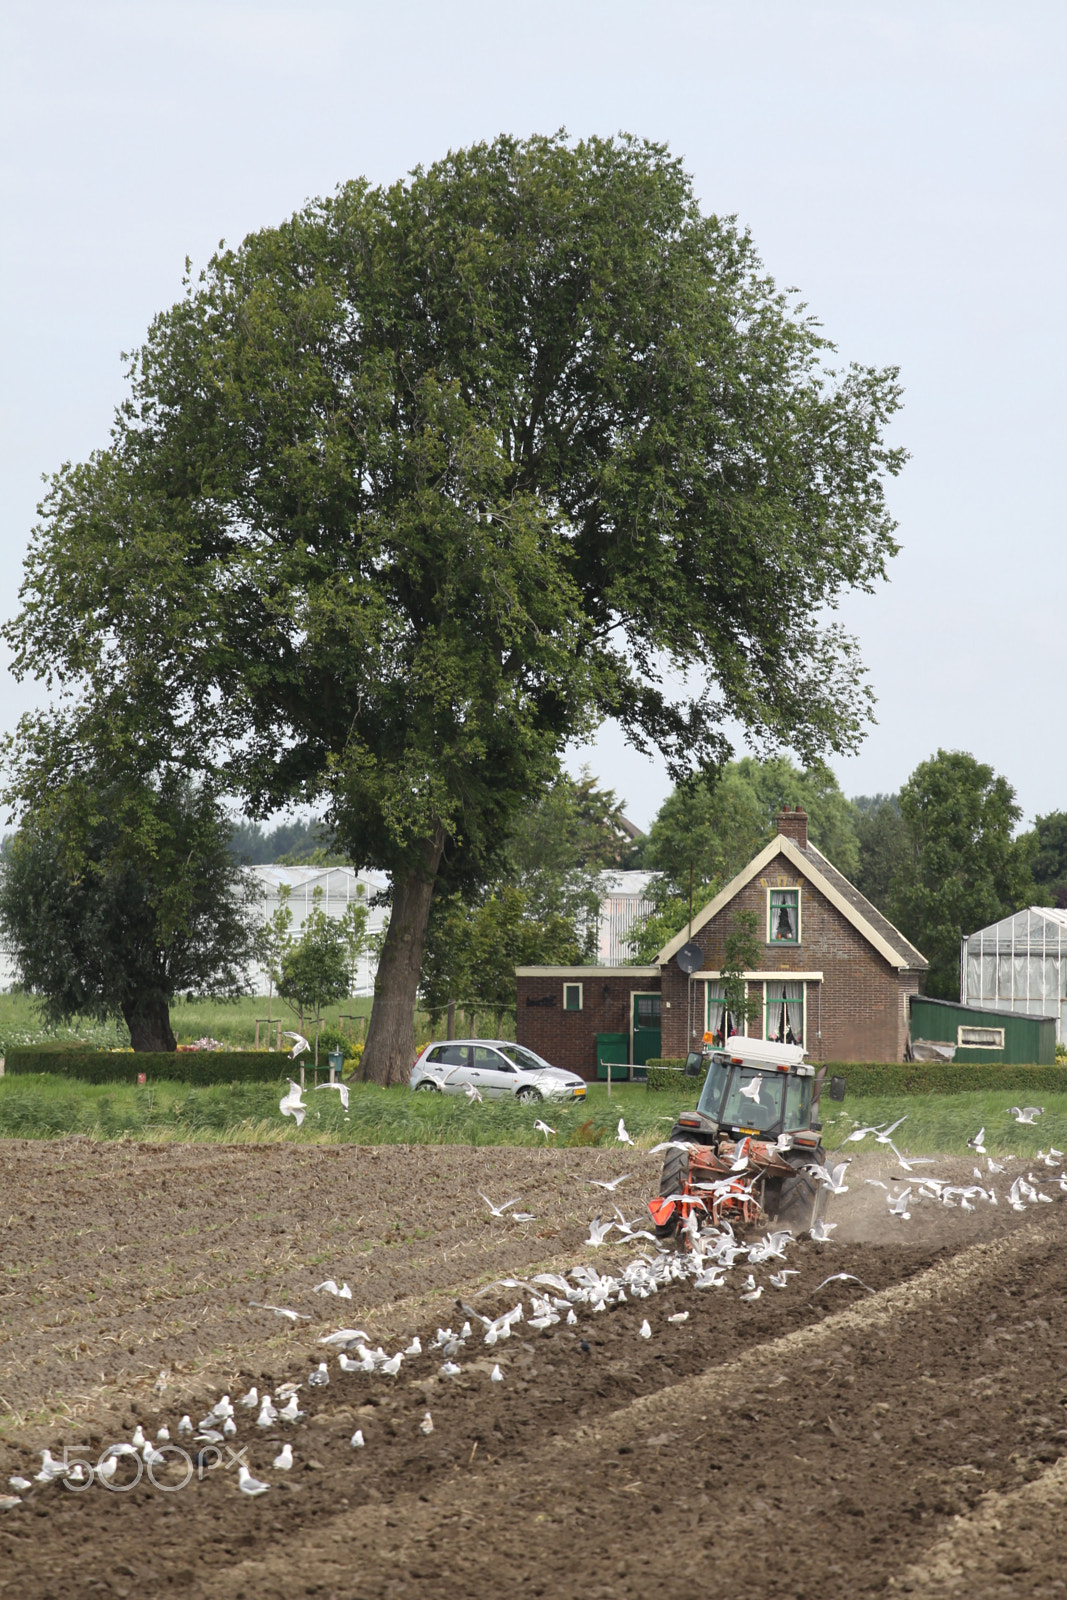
249	1485
283	1461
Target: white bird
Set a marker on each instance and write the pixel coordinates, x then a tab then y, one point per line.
864	1133
843	1277
753	1294
8	1502
750	1091
496	1376
876	1183
415	1347
498	1211
668	1144
1050	1159
137	1439
357	1441
1025	1113
267	1413
820	1231
250	1400
209	1436
222	1409
281	1311
977	1144
426	1425
290	1412
319	1378
50	1468
679	1316
329	1286
780	1279
543	1127
598	1232
572	1319
898	1205
186	1424
882	1136
522	1216
20	1484
645	1329
621	1135
284	1459
342	1090
834	1179
348	1365
107	1468
392	1366
610	1184
229	1427
292	1104
994	1166
450	1370
472	1094
299	1046
249	1485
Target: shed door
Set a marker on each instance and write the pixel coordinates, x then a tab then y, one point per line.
646	1028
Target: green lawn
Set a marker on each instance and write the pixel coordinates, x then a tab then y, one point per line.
48	1107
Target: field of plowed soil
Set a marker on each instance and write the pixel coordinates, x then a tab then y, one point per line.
904	1433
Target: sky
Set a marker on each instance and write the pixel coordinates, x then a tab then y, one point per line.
901	164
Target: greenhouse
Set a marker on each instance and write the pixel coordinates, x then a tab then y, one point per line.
1018	964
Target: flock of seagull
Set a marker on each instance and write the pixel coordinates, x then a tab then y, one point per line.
713	1252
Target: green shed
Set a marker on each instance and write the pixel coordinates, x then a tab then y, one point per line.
980	1035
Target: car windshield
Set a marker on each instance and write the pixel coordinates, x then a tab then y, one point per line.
753	1099
525	1060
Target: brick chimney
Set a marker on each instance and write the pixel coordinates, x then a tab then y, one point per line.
793	823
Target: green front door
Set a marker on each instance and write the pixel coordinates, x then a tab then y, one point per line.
646	1028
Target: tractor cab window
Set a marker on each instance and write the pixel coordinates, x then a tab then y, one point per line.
797	1103
710	1102
753	1099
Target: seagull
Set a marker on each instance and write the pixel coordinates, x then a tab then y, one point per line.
779	1279
863	1133
598	1232
645	1330
345	1336
496	1376
621	1136
229	1427
978	1142
753	1294
472	1094
267	1413
342	1090
20	1484
186	1424
249	1485
543	1127
426	1425
1025	1113
138	1439
319	1378
280	1311
1050	1159
211	1436
357	1440
292	1104
8	1502
750	1091
348	1365
222	1409
610	1184
50	1468
299	1046
882	1136
679	1316
498	1211
820	1231
523	1216
330	1287
392	1366
415	1347
289	1412
995	1166
284	1459
834	1179
843	1277
668	1144
250	1400
448	1370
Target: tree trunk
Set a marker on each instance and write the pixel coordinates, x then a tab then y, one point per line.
390	1049
149	1024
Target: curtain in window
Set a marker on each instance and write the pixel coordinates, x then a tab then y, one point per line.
784	915
720	1023
785	1013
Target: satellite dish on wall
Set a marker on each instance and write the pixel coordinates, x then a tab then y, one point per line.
690	957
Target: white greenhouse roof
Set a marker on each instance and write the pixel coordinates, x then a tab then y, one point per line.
1032	928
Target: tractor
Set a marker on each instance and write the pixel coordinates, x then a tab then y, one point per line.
749	1152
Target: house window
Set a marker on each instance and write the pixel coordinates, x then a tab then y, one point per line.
783	916
720	1023
784	1012
980	1038
572	997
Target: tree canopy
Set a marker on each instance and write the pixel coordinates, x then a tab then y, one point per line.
420	485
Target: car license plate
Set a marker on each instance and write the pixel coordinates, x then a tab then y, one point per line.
579	1094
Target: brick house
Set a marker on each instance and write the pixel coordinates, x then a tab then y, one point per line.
834	974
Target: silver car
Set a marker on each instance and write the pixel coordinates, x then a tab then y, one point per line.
495	1067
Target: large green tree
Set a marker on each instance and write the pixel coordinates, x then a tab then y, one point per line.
964	868
1047	845
417	487
884	847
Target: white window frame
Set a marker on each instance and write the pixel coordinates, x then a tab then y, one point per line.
785	944
581	997
785	977
978	1044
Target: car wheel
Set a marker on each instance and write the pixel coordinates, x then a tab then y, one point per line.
528	1096
426	1084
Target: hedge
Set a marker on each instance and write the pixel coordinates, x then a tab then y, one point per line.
912	1077
185	1066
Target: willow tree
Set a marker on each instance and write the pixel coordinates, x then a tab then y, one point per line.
417	487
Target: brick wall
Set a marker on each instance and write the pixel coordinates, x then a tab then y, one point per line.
568	1038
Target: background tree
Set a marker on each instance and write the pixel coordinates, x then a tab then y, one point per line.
418	487
964	870
882	837
119	892
1047	846
315	969
741	953
274	939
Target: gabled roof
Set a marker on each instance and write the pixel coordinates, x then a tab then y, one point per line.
853	906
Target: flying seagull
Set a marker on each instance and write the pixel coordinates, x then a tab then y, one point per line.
610	1184
292	1104
843	1277
300	1044
342	1090
1025	1113
543	1127
498	1211
621	1136
329	1286
977	1144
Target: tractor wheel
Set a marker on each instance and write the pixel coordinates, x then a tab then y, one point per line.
673	1179
800	1197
